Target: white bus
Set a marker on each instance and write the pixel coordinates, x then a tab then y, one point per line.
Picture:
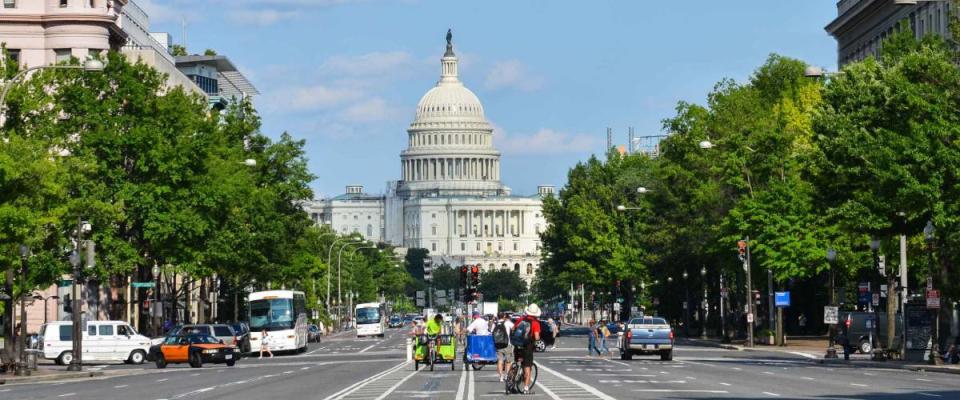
283	314
371	319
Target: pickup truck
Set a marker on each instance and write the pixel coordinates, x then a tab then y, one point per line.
647	335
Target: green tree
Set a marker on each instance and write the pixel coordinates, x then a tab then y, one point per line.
178	50
502	284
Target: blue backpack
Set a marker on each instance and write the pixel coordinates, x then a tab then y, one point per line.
521	333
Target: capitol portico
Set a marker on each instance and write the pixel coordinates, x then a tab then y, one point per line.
449	199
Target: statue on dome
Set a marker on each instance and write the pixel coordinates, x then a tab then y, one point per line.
449	37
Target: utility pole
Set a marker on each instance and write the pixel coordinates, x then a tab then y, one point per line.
744	248
771	307
904	294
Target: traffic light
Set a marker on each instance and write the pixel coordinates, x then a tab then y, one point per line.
463	276
475	274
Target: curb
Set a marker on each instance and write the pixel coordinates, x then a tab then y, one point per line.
50	378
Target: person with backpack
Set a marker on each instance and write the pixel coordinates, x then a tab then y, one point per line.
603	332
501	341
526	331
592	340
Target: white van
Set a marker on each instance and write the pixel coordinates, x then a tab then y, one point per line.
102	341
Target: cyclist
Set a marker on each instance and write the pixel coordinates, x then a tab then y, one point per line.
526	332
501	340
434	327
479	326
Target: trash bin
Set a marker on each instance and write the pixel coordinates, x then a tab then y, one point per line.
32	356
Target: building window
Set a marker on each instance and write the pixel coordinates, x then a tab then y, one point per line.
369	230
463	246
515	246
369	217
433	247
208	85
63	3
433	230
478	246
503	266
516	268
9	3
499	246
13	55
356	217
529	269
63	55
434	215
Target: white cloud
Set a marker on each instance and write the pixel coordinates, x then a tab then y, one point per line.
544	141
310	98
262	17
375	63
512	74
370	110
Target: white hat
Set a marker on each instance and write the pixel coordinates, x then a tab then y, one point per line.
532	310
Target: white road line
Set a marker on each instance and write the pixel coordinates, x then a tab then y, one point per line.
369	347
592	390
396	385
471	386
547	391
304	368
66	395
620	363
771	394
768	372
120	386
929	394
463	381
924	380
681	391
807	378
163	380
858	384
724	384
810	356
356	386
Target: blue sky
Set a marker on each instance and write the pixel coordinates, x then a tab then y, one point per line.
346	75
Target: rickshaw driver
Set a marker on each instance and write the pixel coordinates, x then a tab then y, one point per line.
434	326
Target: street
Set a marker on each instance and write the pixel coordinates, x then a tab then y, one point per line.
345	367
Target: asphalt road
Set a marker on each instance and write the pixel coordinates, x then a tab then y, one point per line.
345	367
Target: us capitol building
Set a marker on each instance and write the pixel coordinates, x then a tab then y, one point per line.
449	200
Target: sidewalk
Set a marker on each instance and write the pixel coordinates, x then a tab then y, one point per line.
47	375
814	348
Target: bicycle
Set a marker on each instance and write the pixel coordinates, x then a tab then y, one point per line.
515	379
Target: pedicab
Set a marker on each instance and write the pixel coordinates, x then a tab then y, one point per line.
480	351
441	349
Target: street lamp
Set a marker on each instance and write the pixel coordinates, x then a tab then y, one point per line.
156	300
929	236
686	305
250	162
706	144
20	368
831	348
705	305
642	190
91	65
875	340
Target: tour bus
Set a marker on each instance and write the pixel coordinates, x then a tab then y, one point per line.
283	314
371	319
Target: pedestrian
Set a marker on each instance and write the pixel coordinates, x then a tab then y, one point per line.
844	342
602	334
802	322
501	341
592	340
265	343
553	332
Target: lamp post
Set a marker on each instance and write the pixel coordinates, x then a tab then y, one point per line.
45	299
156	300
76	260
929	235
329	253
686	305
831	348
21	366
706	304
877	354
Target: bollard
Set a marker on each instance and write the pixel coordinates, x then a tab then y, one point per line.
409	349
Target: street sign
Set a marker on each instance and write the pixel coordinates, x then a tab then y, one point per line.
933	299
66	282
782	299
143	284
723	292
421	295
863	293
684	305
831	315
421	302
883	290
929	283
882	264
616	307
749	318
876	299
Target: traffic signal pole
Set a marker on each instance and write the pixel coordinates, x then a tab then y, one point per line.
744	247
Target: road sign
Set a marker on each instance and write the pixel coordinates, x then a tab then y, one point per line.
933	299
782	299
749	318
421	295
929	283
421	302
831	314
883	290
723	291
66	282
863	293
876	299
882	264
143	284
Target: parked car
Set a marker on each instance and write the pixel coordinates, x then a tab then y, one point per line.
859	330
314	334
195	349
647	335
396	322
242	330
101	341
407	320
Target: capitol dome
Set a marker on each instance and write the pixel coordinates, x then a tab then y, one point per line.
450	100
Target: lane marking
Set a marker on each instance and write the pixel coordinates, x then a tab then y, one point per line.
724	384
163	380
369	347
592	390
356	386
809	356
681	391
929	394
471	387
771	394
66	395
858	384
924	380
120	386
547	391
396	385
463	381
